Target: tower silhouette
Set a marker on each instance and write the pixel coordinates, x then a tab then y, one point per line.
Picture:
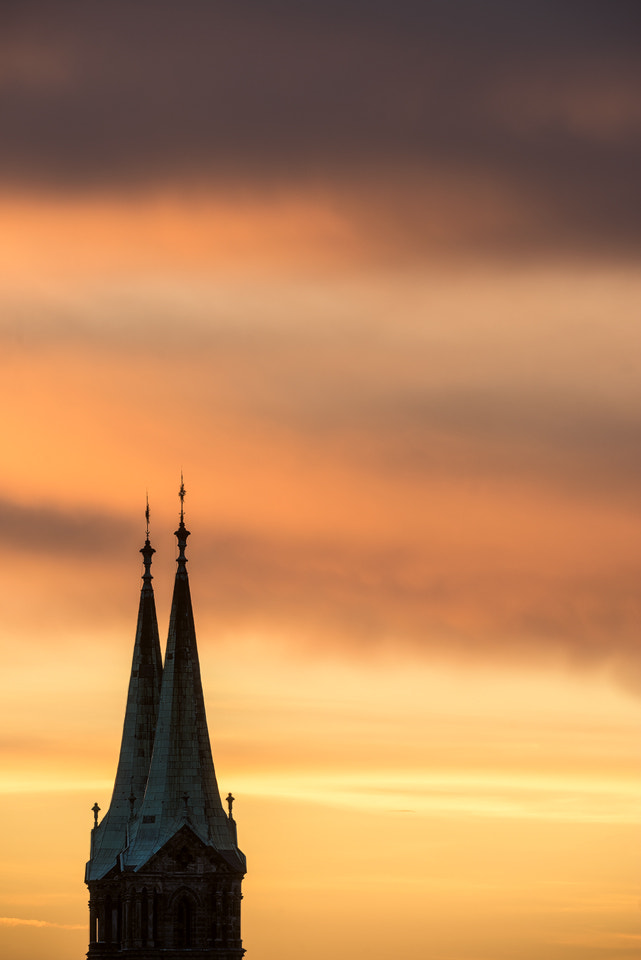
165	870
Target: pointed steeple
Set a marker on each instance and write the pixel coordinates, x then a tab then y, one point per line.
181	787
111	835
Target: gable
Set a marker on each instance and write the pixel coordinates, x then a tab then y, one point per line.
185	853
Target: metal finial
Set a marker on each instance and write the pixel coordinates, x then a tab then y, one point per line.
182	533
230	803
147	551
96	811
181	494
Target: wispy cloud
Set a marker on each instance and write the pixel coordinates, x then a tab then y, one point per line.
22	922
452	794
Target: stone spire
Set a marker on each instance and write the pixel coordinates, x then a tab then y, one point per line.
181	787
110	836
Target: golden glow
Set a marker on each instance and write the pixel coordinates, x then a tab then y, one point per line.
414	566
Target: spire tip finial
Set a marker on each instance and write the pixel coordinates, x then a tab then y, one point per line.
181	494
147	551
181	532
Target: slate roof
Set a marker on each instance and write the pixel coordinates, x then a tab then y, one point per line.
161	790
181	786
141	713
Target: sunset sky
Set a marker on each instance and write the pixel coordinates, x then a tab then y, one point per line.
368	273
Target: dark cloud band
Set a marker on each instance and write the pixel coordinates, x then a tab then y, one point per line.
538	100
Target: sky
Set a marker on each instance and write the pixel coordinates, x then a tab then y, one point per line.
368	275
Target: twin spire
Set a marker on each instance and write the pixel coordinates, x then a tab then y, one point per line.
165	777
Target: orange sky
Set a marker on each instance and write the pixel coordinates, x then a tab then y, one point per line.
386	322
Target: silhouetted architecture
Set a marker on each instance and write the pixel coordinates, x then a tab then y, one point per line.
165	871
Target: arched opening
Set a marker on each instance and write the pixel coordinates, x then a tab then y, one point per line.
144	917
183	933
155	913
118	920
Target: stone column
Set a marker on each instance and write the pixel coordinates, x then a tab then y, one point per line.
137	931
93	921
126	921
235	916
218	907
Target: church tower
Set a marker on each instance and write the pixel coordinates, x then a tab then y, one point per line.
165	871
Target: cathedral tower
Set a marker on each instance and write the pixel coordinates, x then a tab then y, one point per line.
165	871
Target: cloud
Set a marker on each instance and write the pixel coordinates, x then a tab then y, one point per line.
62	531
20	922
508	577
447	465
520	129
504	378
492	604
